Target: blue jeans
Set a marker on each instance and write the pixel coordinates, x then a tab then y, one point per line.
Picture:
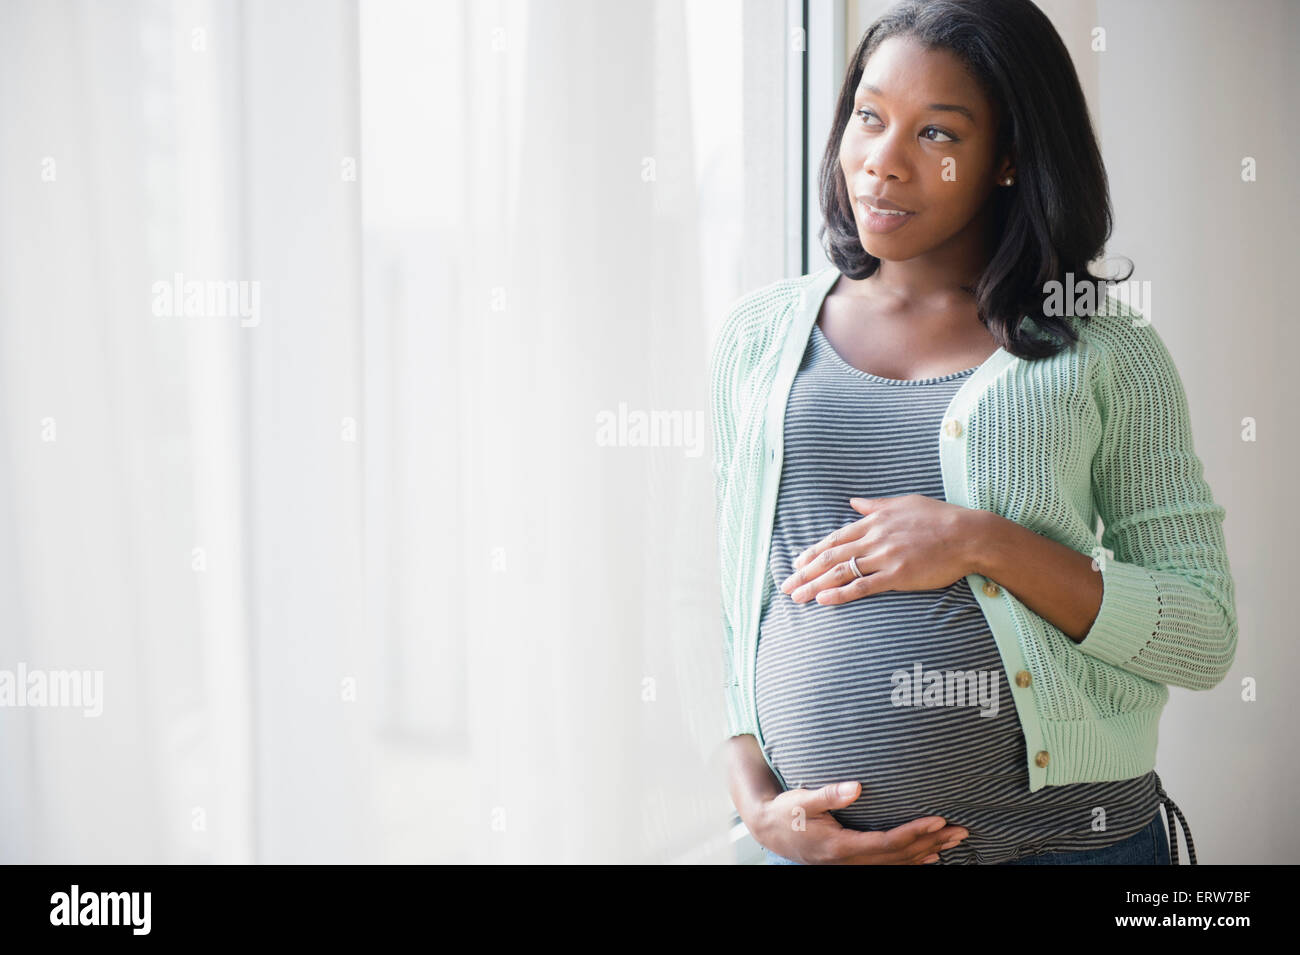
1148	846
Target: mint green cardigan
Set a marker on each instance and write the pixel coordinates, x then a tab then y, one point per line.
1099	431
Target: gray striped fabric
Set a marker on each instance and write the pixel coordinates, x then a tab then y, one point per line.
829	677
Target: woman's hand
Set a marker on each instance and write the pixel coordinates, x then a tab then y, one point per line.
912	542
797	824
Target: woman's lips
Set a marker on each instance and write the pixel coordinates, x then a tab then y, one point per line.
879	223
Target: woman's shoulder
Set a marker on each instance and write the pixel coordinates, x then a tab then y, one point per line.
1129	355
753	320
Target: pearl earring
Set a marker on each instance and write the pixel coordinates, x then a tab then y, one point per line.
1007	181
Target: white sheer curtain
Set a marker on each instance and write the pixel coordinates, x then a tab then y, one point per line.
554	225
186	504
124	550
363	576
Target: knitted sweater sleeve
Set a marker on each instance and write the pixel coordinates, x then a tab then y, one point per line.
724	371
1168	609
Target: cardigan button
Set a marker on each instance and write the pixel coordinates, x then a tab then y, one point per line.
991	589
952	428
1023	678
1041	758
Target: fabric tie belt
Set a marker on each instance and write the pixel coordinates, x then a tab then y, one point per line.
1172	812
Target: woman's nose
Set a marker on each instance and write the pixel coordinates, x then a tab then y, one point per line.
883	159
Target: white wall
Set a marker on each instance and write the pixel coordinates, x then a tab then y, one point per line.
1187	89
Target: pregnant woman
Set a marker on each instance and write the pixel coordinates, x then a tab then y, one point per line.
934	652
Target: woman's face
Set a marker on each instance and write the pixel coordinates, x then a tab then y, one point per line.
923	136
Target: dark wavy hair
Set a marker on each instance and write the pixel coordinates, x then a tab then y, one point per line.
1056	218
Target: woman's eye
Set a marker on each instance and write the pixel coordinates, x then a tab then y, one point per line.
864	113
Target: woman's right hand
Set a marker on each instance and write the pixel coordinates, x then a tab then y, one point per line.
798	825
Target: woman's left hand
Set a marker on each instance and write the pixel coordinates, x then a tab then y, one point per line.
912	542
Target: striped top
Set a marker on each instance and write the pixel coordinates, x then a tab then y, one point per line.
1091	447
852	691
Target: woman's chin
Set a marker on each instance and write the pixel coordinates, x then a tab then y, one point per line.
881	250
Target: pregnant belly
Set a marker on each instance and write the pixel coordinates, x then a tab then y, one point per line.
904	692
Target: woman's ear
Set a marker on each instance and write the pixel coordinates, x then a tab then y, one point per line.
1009	163
1007	169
